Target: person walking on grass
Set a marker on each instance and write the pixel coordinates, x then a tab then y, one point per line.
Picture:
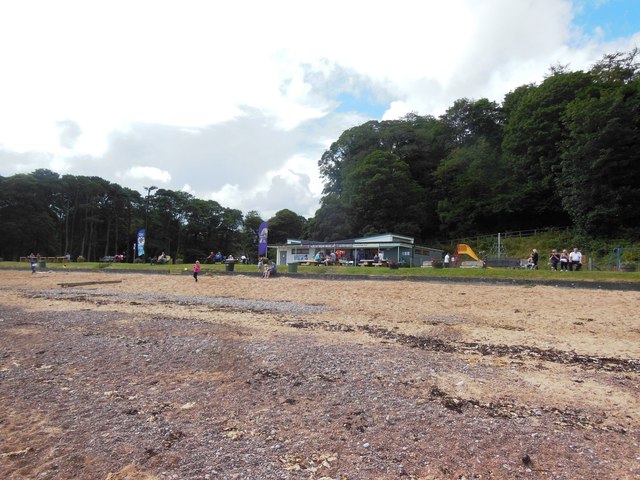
196	269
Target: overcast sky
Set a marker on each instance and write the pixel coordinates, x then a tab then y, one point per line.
237	101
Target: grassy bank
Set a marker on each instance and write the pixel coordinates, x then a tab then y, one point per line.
497	273
519	245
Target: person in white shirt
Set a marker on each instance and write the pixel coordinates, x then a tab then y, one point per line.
575	260
447	258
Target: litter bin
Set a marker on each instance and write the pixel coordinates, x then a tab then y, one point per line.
228	267
292	267
42	264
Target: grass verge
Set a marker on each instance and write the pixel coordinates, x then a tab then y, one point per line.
456	273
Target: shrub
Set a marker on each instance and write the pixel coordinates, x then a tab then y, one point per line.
80	258
437	263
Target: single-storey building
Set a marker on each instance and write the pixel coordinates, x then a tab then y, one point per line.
389	247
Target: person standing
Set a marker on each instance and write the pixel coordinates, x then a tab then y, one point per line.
447	259
196	270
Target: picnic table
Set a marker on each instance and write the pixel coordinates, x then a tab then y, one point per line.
371	263
307	262
328	263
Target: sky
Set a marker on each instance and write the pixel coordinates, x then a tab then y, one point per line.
237	101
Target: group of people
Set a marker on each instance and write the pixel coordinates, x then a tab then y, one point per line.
219	258
266	267
160	259
330	259
214	258
567	261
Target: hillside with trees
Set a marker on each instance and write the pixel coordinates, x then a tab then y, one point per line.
562	153
565	152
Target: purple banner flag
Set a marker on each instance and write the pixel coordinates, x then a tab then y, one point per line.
141	235
263	232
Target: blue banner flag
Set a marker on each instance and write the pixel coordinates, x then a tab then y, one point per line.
141	235
263	233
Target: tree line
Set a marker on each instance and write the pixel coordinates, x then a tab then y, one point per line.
565	152
90	217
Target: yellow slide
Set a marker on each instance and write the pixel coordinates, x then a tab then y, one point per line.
463	249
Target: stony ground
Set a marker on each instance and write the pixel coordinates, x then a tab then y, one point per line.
127	376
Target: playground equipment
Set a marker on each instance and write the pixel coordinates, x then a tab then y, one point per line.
464	249
499	262
620	265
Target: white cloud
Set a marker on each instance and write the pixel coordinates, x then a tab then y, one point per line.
239	99
146	173
295	186
396	110
187	189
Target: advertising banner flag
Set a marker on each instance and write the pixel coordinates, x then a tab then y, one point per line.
263	232
141	235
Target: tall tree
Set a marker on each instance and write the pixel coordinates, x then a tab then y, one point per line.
170	211
285	224
331	220
532	142
26	221
471	182
600	169
469	121
383	197
250	231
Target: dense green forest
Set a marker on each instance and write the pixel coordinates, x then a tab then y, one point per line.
565	152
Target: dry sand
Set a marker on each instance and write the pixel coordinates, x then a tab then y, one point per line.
362	379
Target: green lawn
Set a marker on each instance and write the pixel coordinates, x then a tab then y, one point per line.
497	273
